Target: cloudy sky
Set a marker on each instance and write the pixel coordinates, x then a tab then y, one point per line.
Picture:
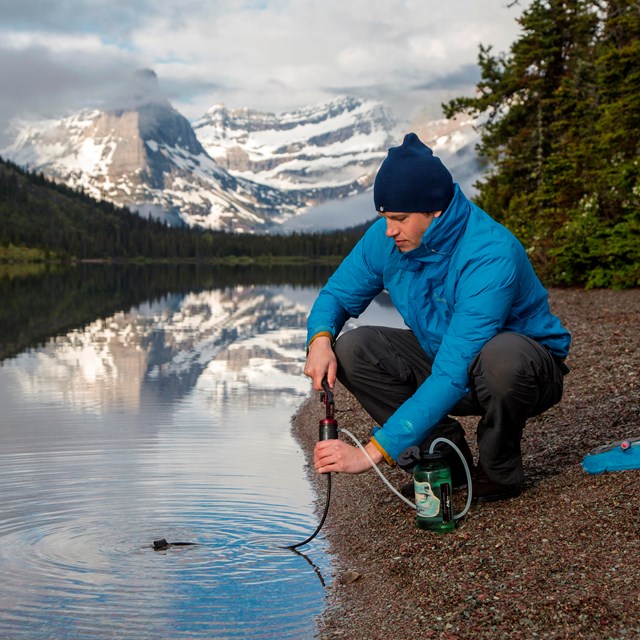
274	55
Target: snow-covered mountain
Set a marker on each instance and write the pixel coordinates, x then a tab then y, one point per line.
333	148
238	170
257	171
147	157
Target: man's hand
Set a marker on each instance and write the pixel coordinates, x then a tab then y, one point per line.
321	362
336	456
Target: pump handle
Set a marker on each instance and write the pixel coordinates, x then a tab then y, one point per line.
327	397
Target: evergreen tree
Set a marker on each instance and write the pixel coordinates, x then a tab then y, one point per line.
561	137
599	244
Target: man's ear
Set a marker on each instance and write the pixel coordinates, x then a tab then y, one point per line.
437	214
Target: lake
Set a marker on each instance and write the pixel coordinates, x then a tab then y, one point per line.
146	403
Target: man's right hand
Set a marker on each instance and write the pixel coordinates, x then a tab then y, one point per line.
321	362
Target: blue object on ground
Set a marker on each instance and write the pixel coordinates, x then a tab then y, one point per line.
616	456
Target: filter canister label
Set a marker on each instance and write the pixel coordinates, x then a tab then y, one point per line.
427	502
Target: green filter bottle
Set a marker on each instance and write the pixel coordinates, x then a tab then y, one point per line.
434	501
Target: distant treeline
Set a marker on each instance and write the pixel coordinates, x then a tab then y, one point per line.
63	223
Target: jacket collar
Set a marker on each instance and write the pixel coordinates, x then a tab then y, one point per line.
440	239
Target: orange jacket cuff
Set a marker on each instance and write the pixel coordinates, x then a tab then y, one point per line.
387	458
326	334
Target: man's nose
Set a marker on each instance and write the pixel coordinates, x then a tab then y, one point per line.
392	229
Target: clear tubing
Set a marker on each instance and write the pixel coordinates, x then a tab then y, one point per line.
466	469
394	490
375	466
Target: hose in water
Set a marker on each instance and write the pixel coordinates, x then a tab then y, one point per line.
389	485
329	430
324	517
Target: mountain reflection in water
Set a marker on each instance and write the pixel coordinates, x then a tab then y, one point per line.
166	414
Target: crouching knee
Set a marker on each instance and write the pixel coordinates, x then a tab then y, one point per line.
349	344
503	362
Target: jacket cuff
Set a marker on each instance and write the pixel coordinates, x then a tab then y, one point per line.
326	334
387	458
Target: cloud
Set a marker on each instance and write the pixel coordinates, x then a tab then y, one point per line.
38	79
463	77
116	19
265	54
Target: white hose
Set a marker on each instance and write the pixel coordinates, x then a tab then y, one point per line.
466	469
433	444
375	466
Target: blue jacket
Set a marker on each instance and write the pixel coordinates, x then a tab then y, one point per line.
469	280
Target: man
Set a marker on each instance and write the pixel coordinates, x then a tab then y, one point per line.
481	339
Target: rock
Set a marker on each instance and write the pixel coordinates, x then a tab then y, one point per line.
349	576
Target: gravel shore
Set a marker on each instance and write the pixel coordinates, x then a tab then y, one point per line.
560	561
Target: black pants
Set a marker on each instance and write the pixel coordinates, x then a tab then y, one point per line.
511	379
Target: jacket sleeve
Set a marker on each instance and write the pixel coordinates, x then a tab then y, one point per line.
484	296
352	287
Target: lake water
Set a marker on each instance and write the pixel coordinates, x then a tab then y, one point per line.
146	404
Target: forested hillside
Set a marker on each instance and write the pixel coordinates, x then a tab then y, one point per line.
561	136
37	213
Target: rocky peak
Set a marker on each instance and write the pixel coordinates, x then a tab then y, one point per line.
334	146
146	158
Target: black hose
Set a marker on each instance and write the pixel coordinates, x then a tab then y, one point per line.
324	517
161	545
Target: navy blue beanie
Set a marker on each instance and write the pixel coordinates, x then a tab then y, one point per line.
412	179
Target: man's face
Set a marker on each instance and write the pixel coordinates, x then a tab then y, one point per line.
407	229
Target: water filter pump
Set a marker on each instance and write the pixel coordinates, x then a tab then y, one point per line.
328	430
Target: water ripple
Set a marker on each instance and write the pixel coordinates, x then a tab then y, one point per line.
88	554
